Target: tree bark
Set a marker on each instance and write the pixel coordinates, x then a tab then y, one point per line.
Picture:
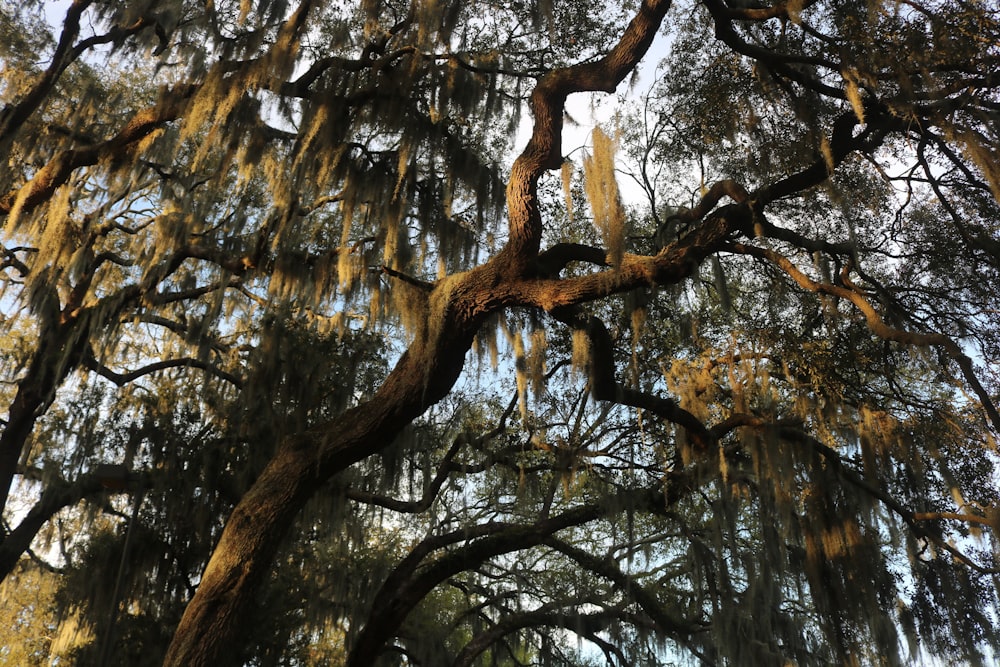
211	629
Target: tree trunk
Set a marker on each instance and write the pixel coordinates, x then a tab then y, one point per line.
211	630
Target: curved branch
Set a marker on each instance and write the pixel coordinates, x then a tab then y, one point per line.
548	100
877	324
679	629
725	188
407	586
552	261
841	144
122	379
604	386
674	263
57	495
58	170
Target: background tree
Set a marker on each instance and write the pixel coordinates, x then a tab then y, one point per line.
248	248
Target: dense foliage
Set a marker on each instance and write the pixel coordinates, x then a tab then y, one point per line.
321	347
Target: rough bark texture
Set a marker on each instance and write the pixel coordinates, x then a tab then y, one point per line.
209	632
941	104
210	628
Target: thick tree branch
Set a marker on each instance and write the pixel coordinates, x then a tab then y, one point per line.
400	594
548	99
241	560
674	263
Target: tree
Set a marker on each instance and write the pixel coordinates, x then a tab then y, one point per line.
754	415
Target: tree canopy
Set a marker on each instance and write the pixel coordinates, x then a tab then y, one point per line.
324	344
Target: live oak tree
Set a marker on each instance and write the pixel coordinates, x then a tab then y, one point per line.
249	249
